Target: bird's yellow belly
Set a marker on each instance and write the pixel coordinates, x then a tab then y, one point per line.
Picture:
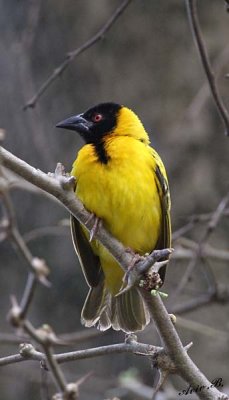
128	204
124	195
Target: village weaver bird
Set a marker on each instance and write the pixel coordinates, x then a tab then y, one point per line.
123	182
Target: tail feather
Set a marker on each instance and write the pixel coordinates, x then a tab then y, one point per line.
126	312
94	305
104	322
132	313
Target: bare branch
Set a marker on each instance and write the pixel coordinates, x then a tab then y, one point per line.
56	371
39	269
216	216
173	346
28	352
194	22
37	266
198	102
199	252
28	294
45	337
195	219
73	54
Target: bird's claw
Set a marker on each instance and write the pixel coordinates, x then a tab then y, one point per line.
131	274
96	225
142	274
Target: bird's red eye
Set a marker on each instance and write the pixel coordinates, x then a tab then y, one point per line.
97	117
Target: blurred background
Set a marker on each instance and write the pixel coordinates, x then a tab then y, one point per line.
148	62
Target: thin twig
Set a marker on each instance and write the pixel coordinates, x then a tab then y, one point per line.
216	217
36	265
211	226
28	294
44	337
73	54
193	220
56	371
196	106
195	26
39	270
183	230
15	182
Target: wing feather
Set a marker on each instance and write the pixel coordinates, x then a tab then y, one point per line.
89	262
163	190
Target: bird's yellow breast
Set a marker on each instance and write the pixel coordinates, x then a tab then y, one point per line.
122	192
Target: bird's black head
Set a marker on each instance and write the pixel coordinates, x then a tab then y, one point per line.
95	123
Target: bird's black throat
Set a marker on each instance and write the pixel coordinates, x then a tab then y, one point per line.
101	151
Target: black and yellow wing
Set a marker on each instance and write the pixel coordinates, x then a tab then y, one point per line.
89	262
163	190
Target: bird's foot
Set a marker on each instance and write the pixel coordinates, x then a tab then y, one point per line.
135	258
97	223
143	270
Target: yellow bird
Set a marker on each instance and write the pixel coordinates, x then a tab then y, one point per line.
123	182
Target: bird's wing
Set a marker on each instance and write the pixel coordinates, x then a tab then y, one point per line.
163	189
89	262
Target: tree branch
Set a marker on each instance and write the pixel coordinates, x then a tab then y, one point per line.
37	266
201	246
28	352
173	346
73	54
194	22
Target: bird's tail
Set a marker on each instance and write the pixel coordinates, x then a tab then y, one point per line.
126	312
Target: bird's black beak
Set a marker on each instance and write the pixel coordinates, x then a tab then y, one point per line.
76	123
